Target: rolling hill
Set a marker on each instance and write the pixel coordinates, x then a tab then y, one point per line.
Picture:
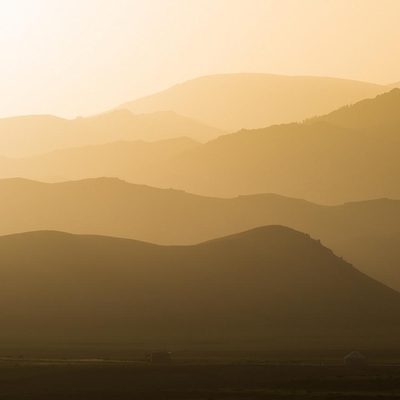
236	101
267	287
32	135
112	207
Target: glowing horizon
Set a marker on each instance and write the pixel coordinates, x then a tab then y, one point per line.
83	57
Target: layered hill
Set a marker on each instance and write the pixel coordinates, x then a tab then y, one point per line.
123	159
333	159
269	287
32	135
348	155
115	208
236	101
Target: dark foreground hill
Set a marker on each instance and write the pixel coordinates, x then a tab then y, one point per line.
272	287
115	208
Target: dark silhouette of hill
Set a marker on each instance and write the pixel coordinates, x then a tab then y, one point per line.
31	135
318	160
115	208
236	101
270	286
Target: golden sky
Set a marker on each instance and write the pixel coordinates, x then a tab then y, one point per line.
79	57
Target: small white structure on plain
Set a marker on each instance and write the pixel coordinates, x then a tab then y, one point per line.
355	358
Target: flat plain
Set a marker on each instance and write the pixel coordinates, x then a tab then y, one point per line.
202	379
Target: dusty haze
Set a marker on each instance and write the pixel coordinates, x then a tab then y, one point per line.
80	57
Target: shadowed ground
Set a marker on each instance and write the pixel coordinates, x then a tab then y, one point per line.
179	381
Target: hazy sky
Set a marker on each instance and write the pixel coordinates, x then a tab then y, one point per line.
77	57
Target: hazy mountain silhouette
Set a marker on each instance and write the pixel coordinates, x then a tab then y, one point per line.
235	101
368	114
269	286
316	160
394	85
115	208
126	160
348	155
31	135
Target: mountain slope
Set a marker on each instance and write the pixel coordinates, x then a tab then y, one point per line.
236	101
368	114
31	135
271	285
318	160
115	208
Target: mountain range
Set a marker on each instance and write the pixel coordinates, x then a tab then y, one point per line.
348	155
243	211
266	287
110	207
319	160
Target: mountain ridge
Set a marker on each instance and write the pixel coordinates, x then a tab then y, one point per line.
368	113
280	288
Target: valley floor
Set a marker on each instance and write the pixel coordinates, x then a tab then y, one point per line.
244	380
